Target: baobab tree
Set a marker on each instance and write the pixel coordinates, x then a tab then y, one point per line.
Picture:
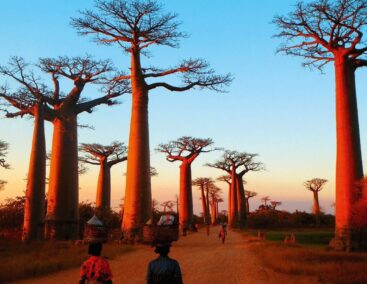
214	196
227	180
3	164
249	194
62	110
135	26
204	183
265	200
105	157
3	152
167	204
315	185
325	31
237	164
274	204
186	149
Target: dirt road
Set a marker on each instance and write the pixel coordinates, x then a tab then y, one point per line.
203	259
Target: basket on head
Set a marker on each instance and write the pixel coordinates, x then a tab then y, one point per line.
160	234
95	231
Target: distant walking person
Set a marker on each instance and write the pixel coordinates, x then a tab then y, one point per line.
223	233
164	270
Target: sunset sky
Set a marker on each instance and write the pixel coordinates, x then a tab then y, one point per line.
274	107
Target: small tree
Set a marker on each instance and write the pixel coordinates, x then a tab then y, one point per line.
315	185
186	149
249	194
3	152
105	157
134	26
167	204
274	204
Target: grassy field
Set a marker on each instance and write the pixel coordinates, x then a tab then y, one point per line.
314	237
24	261
310	256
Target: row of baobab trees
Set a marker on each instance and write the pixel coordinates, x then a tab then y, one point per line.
321	31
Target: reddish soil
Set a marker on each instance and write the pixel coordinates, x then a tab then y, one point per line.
203	259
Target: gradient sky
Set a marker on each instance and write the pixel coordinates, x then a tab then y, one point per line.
274	107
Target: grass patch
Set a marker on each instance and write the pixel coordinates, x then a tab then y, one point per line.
310	259
308	237
20	261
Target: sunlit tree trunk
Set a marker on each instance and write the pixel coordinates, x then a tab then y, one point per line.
203	202
247	205
233	214
186	204
138	198
241	205
213	209
348	156
34	210
103	198
63	196
207	216
316	207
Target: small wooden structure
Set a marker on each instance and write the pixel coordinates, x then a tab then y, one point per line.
95	231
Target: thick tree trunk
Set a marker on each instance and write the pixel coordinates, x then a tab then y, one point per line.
247	205
213	209
203	202
207	216
103	198
348	154
138	197
34	210
241	205
186	205
233	214
229	202
63	193
316	207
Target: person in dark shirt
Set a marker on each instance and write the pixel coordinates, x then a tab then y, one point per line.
163	270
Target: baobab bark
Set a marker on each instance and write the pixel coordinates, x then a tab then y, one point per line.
103	198
203	202
138	187
186	203
62	204
241	205
233	213
348	154
207	203
34	209
213	214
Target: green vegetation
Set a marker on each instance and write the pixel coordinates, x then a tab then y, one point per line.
308	237
20	261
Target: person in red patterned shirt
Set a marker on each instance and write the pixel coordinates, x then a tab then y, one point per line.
96	268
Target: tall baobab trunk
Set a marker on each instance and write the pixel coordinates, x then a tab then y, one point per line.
316	207
213	209
216	210
233	214
34	210
207	216
103	198
229	201
241	205
247	205
63	196
348	154
186	204
203	202
138	197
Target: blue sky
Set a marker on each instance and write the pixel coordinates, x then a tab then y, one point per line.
274	107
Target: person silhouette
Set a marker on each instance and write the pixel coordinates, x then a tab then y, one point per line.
96	268
164	270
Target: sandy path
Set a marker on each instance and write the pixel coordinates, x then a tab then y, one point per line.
202	259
